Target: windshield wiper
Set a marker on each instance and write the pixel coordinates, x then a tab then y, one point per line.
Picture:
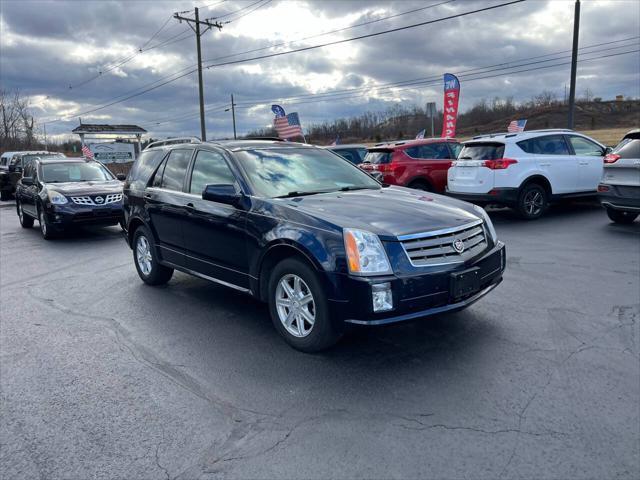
301	194
353	187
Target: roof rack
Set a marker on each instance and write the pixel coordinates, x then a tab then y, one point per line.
513	134
173	141
277	139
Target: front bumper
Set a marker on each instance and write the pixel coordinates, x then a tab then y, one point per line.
619	197
69	215
502	196
414	296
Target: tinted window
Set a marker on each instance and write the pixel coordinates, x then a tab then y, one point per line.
378	156
210	168
582	146
456	148
143	168
549	145
27	172
438	151
482	151
74	172
175	169
628	148
281	171
351	155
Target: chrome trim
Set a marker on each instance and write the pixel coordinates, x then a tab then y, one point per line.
204	261
442	231
173	141
89	199
207	277
620	207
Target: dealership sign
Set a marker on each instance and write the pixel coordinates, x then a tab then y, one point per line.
113	152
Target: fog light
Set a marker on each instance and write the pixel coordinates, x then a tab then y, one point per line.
381	295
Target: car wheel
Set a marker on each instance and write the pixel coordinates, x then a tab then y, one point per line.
144	256
420	185
299	307
45	229
532	201
621	217
26	221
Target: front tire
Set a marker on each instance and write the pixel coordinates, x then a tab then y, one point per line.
421	185
146	260
26	221
45	229
532	202
299	307
619	216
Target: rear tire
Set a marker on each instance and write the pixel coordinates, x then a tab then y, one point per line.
421	185
532	201
295	297
146	259
26	221
618	216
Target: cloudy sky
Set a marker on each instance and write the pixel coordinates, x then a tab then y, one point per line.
85	58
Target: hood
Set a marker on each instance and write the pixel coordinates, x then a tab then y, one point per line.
388	212
86	188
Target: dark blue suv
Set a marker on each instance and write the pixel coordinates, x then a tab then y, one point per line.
318	239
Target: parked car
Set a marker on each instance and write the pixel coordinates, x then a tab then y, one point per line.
11	167
63	192
527	170
619	190
420	164
316	238
355	153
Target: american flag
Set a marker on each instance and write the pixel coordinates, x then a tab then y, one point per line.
516	126
420	135
87	152
289	126
335	142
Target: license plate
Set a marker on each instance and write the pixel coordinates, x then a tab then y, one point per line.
465	282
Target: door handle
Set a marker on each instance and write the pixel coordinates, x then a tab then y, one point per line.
545	164
147	195
190	206
583	163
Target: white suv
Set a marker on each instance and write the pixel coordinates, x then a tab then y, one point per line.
526	170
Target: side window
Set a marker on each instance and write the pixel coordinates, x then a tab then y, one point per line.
175	169
143	168
413	152
456	148
350	155
27	171
630	149
209	168
582	146
549	145
440	151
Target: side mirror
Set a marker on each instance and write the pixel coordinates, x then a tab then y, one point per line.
121	176
222	194
27	180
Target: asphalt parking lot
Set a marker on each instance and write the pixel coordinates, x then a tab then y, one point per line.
104	377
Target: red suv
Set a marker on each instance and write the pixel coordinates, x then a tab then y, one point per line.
421	164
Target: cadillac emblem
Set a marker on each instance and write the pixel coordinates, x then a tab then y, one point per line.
458	245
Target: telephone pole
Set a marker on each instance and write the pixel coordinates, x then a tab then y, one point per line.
233	115
195	23
574	63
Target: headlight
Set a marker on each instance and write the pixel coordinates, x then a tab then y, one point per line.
487	222
57	198
365	253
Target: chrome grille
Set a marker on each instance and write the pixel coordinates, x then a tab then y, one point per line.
437	248
87	200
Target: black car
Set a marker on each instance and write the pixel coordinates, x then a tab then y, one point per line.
11	172
63	192
318	239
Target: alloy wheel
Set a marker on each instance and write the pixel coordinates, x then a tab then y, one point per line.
533	202
20	213
143	255
43	223
295	305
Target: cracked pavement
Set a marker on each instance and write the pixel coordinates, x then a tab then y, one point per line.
104	377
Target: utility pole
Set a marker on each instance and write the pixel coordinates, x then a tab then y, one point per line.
44	126
195	23
574	63
233	115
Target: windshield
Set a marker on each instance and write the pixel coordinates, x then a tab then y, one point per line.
378	156
74	172
293	171
482	151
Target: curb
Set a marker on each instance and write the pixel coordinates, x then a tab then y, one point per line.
7	205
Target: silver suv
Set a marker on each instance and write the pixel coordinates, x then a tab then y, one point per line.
619	190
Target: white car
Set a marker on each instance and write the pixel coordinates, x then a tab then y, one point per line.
526	170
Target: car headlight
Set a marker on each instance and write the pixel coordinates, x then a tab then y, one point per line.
56	198
365	253
487	221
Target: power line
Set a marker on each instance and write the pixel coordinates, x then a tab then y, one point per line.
369	35
239	10
249	12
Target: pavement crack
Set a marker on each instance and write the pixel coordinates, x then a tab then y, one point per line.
157	456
